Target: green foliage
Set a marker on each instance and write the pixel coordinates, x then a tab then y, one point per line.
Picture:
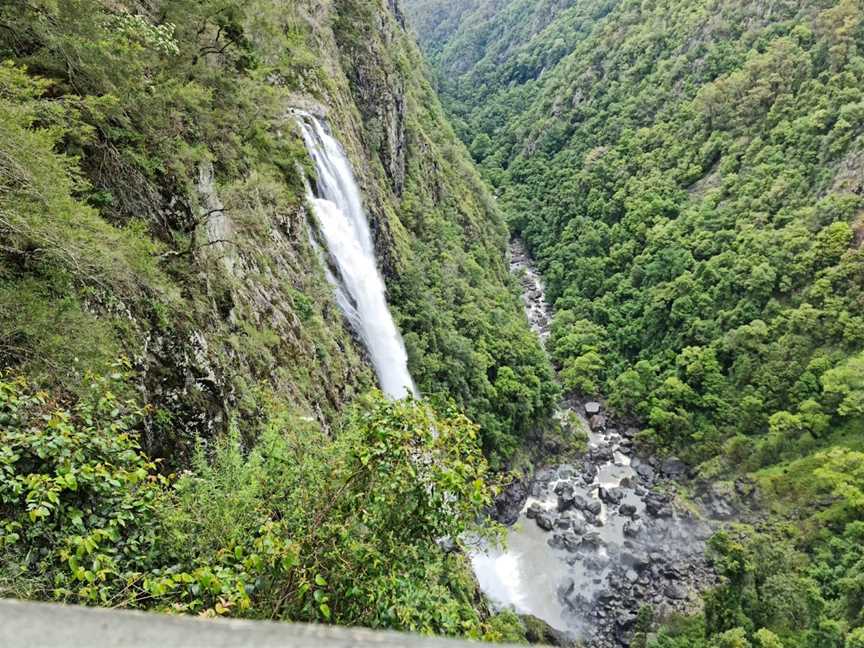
113	111
297	527
774	595
846	382
686	185
78	498
687	175
464	326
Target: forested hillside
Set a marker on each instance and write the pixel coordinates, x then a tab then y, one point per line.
690	179
186	421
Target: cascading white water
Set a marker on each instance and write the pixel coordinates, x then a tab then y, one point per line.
360	289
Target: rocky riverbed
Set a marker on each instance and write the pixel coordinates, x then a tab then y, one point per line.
592	542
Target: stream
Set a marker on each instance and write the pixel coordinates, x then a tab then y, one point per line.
590	543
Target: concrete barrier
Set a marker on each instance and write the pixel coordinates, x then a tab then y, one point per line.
42	625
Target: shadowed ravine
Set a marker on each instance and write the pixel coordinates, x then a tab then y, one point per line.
593	542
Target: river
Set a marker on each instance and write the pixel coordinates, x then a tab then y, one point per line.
595	541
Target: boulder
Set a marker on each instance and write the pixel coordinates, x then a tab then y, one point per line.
578	526
579	503
626	620
564	490
593	507
612	496
545	475
592	541
597	423
572	542
508	505
566	471
602	454
636	559
656	505
645	471
675	591
627	510
673	468
533	511
593	408
545	521
596	563
605	595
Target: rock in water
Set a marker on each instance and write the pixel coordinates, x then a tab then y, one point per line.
611	495
594	507
592	408
627	510
633	528
533	511
597	423
545	521
508	505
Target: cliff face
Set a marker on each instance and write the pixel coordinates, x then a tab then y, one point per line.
184	243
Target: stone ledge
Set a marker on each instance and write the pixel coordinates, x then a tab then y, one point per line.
42	625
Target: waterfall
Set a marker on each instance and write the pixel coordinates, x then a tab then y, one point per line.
360	290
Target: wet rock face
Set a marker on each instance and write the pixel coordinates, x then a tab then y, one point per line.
509	504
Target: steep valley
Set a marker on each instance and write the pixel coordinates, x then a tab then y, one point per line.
299	320
688	180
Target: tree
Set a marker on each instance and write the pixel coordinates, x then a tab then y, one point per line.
735	638
481	147
766	639
846	383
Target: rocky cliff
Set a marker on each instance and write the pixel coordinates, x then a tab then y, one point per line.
185	238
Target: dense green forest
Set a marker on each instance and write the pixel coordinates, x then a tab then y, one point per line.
186	421
188	424
690	179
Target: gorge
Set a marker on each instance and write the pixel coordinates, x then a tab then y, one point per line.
590	544
305	306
